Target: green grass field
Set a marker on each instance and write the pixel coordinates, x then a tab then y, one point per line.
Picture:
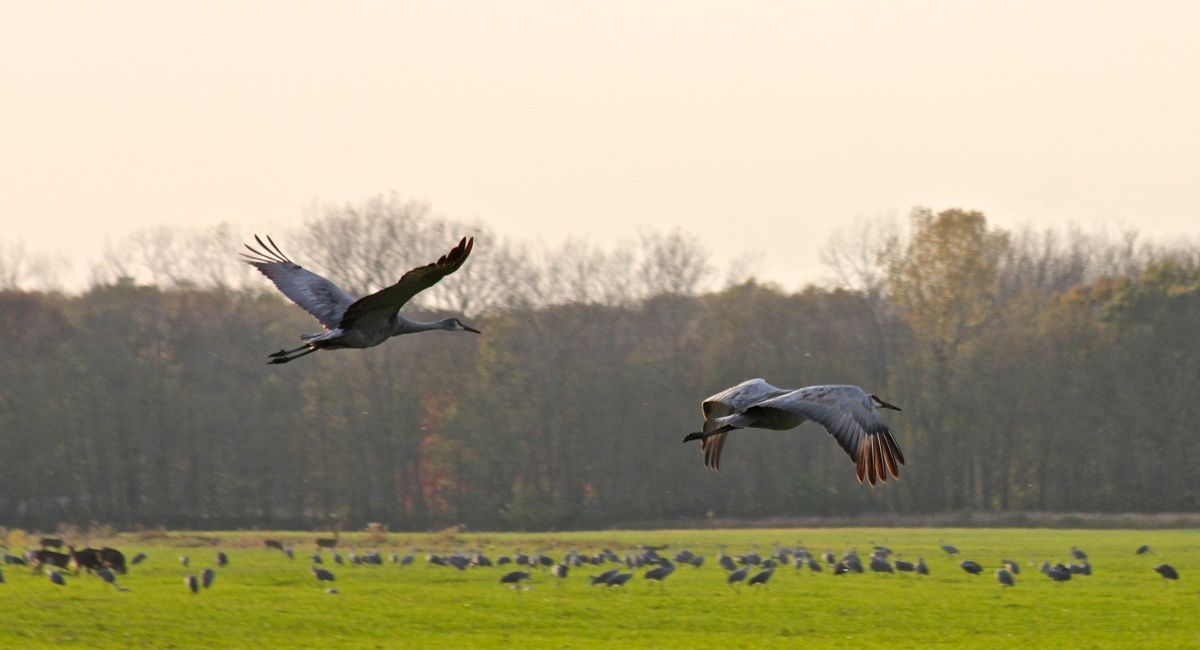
263	600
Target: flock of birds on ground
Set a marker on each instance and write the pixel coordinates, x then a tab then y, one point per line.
848	412
654	563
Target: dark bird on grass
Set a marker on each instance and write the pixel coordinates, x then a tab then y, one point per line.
1143	549
1058	573
559	570
57	578
316	559
1012	567
1004	577
15	560
1083	569
661	572
739	575
192	583
903	565
829	557
1167	571
291	555
880	565
351	323
847	412
322	575
207	577
185	560
920	568
619	580
331	591
138	559
603	578
51	542
813	565
106	574
949	549
337	558
514	577
222	558
970	567
1078	554
502	560
696	561
406	560
273	543
761	577
727	563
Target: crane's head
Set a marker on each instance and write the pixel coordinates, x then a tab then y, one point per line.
881	404
457	326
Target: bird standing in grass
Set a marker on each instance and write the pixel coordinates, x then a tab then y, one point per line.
1167	571
847	412
351	323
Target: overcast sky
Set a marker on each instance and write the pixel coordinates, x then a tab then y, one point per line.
759	126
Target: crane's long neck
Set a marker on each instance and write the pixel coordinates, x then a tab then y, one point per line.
404	325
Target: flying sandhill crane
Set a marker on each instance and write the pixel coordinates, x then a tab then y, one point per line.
351	323
847	412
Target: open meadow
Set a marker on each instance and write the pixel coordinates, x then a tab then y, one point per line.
261	599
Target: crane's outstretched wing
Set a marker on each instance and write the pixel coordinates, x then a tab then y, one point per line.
848	414
323	299
386	302
727	402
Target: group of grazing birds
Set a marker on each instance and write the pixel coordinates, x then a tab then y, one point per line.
105	563
849	413
1058	572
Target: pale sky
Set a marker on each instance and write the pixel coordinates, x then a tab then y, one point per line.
761	127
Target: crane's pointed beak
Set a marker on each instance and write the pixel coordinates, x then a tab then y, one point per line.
468	328
696	435
885	405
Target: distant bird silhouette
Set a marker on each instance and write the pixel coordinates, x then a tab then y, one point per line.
207	577
761	577
880	565
1143	549
660	573
1057	573
847	412
1167	571
970	567
739	575
619	580
222	558
184	560
138	559
1078	554
1004	577
322	575
559	571
57	578
273	543
514	577
948	548
351	323
1012	567
903	565
291	555
603	578
192	583
920	568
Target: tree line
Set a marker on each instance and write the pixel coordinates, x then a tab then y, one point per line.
1037	370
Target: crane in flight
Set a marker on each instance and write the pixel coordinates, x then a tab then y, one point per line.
350	323
847	412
